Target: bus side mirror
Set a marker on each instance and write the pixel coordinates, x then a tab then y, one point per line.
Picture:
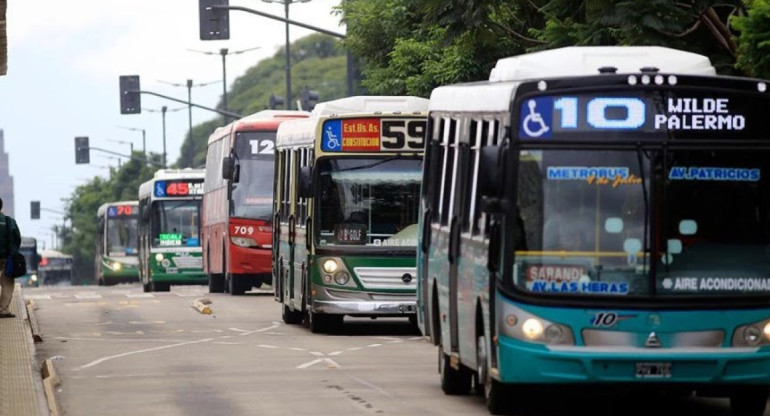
228	166
305	182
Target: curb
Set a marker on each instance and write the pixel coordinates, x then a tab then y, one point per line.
33	324
51	380
201	305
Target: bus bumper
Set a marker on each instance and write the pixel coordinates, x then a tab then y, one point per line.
372	308
528	363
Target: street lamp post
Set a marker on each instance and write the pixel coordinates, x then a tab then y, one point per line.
286	4
224	52
144	138
189	84
163	110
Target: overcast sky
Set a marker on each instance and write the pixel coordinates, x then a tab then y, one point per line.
64	60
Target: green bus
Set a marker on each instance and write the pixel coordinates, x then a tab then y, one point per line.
345	218
115	259
170	228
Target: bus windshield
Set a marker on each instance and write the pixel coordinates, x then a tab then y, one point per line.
718	225
121	237
176	223
371	202
253	193
582	218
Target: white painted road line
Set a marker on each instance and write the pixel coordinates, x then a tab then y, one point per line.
38	297
140	295
88	296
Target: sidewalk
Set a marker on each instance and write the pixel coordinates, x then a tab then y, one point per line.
21	388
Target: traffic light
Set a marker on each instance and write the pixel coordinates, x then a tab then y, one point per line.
214	23
82	151
130	99
309	99
34	210
275	101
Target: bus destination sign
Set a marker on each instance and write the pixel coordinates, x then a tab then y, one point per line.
373	135
656	114
178	188
118	211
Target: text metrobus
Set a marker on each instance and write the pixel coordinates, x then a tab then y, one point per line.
603	238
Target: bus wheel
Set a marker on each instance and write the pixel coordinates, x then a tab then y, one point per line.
216	283
320	322
751	401
291	317
160	287
493	389
453	382
235	287
146	287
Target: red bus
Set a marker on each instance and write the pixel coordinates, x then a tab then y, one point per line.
238	202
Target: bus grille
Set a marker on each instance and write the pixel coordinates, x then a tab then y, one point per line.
387	277
188	262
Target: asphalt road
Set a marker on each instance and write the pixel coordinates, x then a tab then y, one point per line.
120	351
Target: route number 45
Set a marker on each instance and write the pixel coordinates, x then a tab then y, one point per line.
400	134
262	147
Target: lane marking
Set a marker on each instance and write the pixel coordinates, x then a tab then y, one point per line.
38	297
370	385
227	343
266	346
88	296
140	295
126	354
373	345
331	363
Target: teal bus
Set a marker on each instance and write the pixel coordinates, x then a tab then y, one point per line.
345	217
170	230
599	216
116	255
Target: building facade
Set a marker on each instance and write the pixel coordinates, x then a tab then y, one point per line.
6	180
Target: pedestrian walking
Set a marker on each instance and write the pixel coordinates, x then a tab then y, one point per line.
10	240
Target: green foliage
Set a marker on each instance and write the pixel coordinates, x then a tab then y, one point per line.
80	239
413	46
754	39
317	62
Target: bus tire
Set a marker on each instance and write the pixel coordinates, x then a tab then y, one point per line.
160	287
494	394
751	401
291	317
235	287
320	322
216	283
453	382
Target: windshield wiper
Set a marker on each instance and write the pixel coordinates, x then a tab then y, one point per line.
376	163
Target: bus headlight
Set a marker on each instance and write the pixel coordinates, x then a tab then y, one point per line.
33	278
159	257
525	326
752	335
532	328
244	242
330	266
117	266
342	278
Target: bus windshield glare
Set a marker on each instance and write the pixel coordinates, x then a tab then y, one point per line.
121	237
176	223
253	193
368	201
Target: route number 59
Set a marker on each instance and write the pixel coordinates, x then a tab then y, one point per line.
401	134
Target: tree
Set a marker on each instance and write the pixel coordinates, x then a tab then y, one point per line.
754	39
413	46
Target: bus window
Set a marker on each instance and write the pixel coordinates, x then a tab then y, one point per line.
176	223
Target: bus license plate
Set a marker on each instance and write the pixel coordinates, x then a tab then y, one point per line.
653	370
407	308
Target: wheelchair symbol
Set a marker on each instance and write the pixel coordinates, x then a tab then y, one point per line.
159	191
332	141
534	118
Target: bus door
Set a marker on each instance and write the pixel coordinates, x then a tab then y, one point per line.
452	204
